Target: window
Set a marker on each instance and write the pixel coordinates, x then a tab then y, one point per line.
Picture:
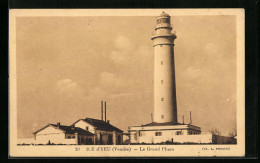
162	116
161	62
73	137
161	81
162	99
68	137
178	133
158	133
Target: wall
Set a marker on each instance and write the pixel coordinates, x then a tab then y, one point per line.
207	138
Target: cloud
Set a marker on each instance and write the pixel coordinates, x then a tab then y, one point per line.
122	52
131	57
123	43
108	79
97	91
119	57
144	52
68	87
192	72
212	49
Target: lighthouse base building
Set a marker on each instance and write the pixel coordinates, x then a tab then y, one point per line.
160	133
168	133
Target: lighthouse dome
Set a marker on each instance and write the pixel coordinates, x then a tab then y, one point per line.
164	14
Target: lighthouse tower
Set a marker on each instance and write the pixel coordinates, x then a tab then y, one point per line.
164	126
165	106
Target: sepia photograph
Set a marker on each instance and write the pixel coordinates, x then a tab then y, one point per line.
126	83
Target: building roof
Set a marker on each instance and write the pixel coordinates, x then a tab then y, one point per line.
100	125
68	129
73	130
162	124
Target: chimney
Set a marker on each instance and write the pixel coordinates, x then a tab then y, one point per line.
102	110
58	125
152	117
105	111
190	118
108	121
182	119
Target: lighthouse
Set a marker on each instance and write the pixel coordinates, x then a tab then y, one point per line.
164	126
165	105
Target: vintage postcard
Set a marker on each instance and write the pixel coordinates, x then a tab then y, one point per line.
126	83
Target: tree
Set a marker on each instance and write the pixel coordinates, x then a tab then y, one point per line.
233	133
215	131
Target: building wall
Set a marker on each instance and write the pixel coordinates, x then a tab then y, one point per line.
53	135
82	124
108	137
84	140
56	136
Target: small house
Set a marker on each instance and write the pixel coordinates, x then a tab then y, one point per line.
60	134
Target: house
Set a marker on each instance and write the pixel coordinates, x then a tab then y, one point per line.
60	134
104	132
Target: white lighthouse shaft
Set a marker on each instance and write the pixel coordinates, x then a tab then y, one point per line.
165	106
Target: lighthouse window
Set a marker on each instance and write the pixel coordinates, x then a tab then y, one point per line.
162	116
161	81
161	62
162	99
158	133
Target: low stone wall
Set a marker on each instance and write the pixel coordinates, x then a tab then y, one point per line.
205	138
56	141
44	141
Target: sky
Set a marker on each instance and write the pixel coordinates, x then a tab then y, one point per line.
67	65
